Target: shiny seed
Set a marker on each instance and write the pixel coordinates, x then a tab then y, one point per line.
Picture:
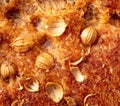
31	84
22	43
56	26
88	36
82	58
77	74
8	69
54	91
44	61
86	97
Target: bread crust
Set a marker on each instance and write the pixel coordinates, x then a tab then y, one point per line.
101	65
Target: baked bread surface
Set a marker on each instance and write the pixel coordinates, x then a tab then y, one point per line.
32	23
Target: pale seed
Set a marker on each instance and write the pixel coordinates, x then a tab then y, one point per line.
8	69
22	43
55	26
44	61
88	36
31	84
54	91
77	74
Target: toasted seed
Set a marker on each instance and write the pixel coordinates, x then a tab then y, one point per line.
56	26
86	97
77	74
54	91
88	36
8	69
70	101
22	43
31	84
18	103
82	58
20	87
44	61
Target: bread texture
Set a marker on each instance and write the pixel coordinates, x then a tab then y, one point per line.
51	66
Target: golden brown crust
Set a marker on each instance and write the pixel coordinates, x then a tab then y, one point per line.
101	63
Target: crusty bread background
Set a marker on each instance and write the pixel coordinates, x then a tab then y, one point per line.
101	66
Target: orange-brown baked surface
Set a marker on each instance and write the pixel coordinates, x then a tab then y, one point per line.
59	52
